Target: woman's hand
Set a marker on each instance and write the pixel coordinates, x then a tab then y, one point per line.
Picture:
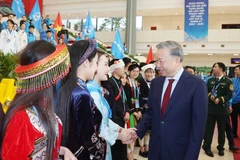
68	155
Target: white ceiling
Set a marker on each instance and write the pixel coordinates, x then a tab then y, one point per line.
72	9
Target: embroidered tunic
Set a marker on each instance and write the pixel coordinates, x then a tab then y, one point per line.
25	137
108	129
84	139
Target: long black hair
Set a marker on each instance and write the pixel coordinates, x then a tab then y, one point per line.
34	52
1	117
63	109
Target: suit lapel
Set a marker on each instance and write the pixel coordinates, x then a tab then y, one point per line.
179	89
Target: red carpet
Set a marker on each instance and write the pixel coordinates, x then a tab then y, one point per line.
236	155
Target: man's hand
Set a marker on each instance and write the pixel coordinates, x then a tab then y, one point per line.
128	135
212	98
216	101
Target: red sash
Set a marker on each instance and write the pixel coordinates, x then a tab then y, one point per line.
119	94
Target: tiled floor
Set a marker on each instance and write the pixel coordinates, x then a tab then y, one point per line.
228	155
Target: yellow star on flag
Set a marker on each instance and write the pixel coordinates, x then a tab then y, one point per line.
58	23
58	28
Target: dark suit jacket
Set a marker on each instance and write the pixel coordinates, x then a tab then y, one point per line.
178	134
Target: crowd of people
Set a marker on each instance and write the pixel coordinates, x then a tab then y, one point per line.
78	103
15	36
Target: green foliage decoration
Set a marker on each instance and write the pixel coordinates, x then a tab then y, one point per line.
8	63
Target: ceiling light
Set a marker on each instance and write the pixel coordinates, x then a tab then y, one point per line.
69	14
209	54
236	54
185	54
150	10
176	13
222	12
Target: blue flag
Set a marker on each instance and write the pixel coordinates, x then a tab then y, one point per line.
88	28
117	47
35	15
17	7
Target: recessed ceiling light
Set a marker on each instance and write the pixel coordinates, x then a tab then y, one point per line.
69	14
185	54
209	54
176	13
222	12
236	54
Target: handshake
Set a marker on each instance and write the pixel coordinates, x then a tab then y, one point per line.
127	136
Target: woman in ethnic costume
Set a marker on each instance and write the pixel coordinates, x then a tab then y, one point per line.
31	130
80	116
148	73
109	130
133	91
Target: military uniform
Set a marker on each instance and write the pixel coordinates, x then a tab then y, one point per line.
221	89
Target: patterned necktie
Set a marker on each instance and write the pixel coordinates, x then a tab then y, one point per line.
166	96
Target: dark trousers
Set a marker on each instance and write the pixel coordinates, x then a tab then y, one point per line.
234	116
221	123
119	150
229	132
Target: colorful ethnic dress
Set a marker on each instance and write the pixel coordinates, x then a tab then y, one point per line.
25	137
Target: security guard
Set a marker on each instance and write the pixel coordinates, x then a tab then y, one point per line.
219	93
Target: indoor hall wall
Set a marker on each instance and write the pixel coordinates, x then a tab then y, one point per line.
171	22
205	60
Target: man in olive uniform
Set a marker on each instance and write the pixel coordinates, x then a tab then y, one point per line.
219	93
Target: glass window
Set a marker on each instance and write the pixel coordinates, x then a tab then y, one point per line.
139	23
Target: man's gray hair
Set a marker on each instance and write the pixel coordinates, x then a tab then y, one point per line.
174	48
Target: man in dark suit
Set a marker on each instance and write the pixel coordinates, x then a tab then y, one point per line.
177	108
